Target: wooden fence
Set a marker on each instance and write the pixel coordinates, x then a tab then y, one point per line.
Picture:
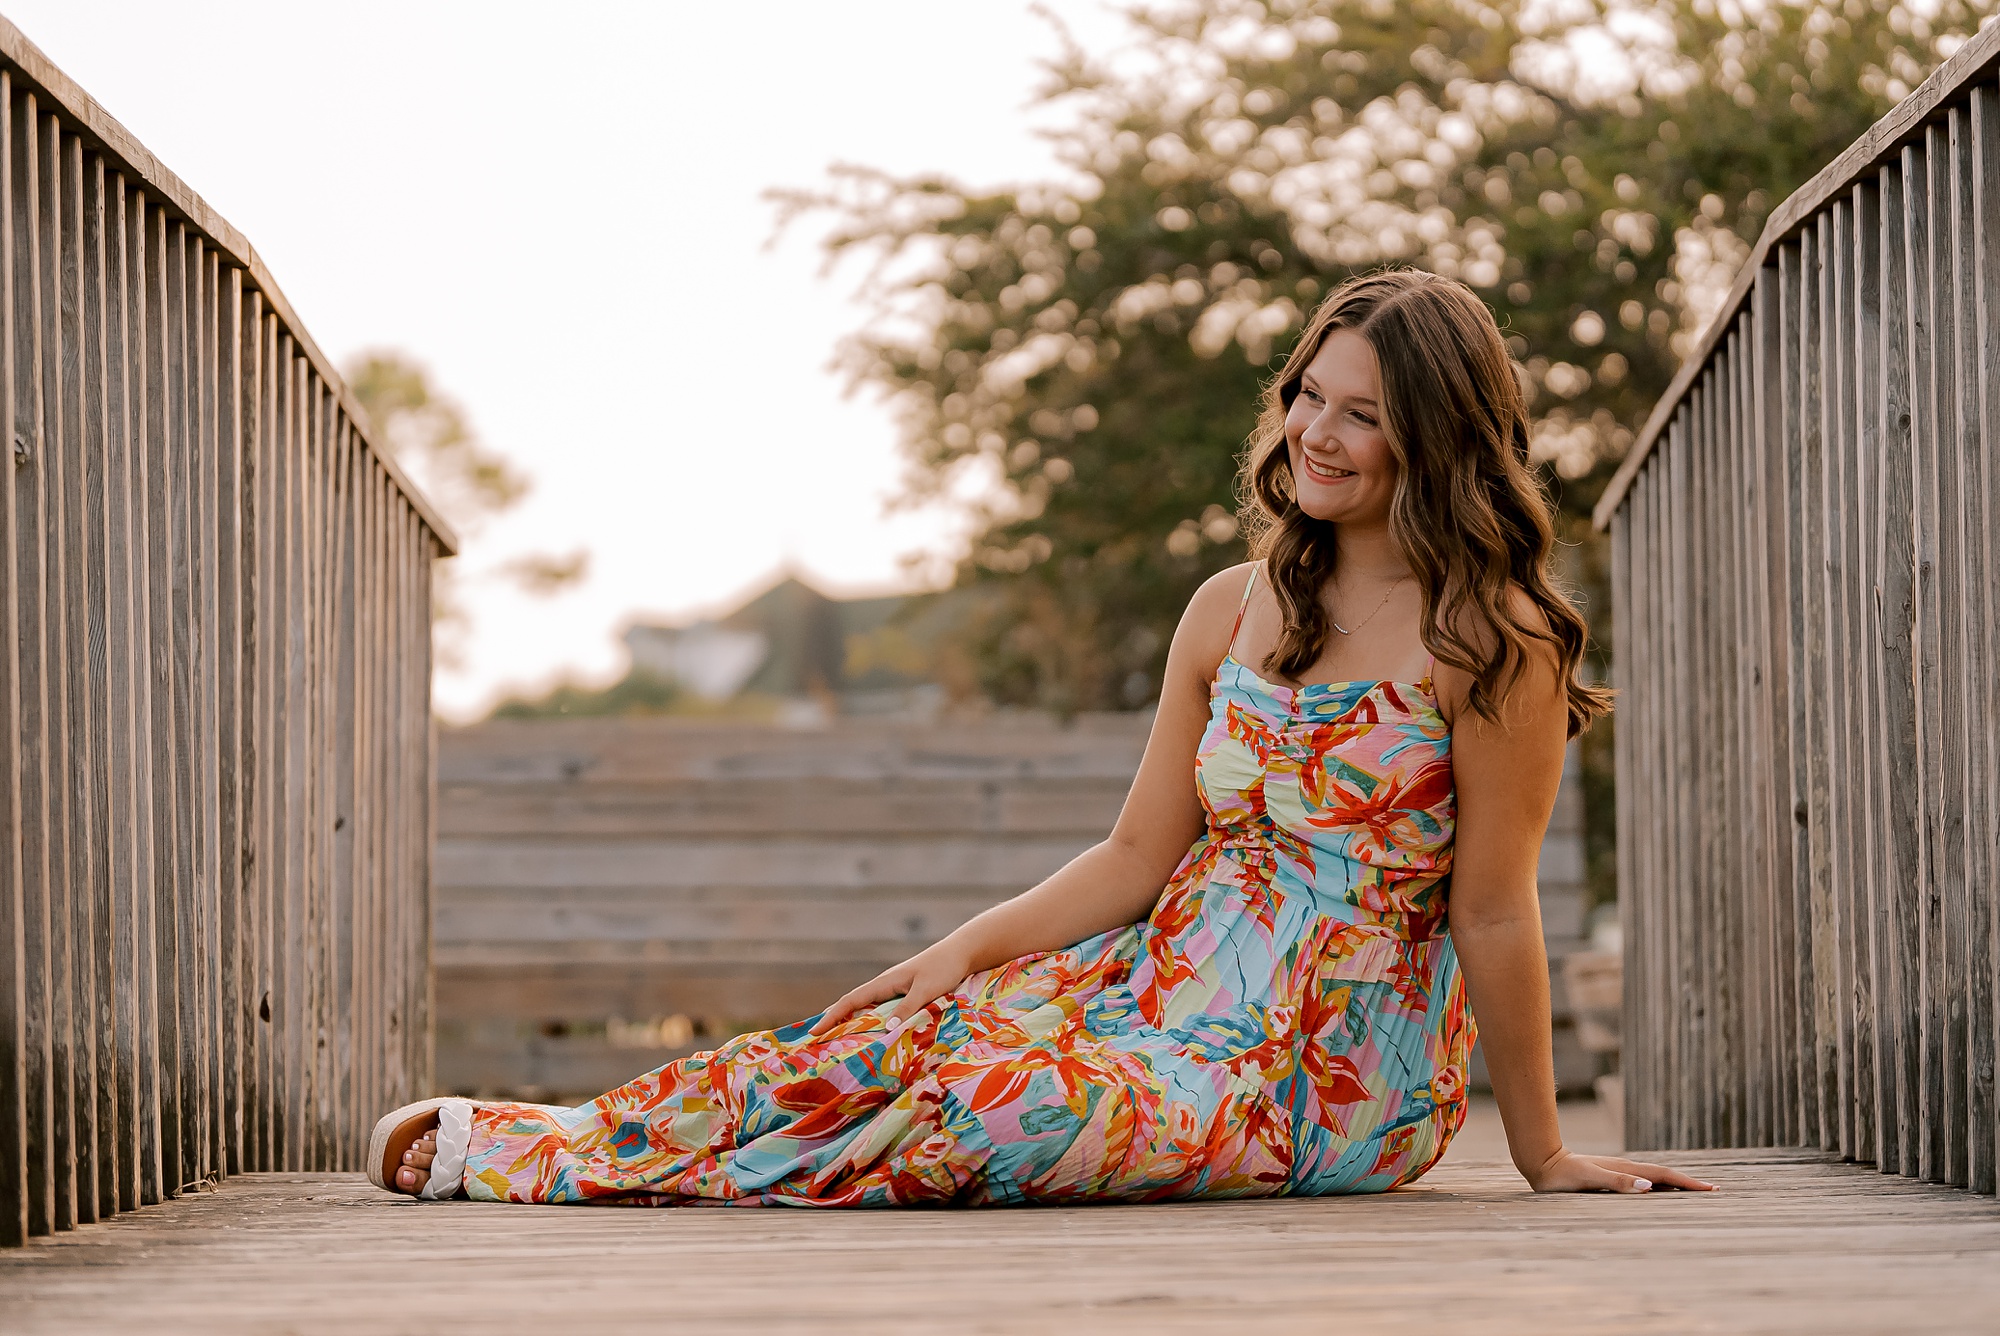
215	744
1805	579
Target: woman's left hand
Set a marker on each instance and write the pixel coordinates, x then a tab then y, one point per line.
1569	1172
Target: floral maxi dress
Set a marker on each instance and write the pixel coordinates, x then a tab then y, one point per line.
1289	1019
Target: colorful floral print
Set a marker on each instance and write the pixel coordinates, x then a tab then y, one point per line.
1289	1019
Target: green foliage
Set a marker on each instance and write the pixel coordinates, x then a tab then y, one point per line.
428	435
1092	347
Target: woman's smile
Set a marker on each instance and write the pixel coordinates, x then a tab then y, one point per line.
1319	472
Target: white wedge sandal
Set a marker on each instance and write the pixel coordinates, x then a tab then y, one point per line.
398	1131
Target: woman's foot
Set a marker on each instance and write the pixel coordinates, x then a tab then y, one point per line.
413	1160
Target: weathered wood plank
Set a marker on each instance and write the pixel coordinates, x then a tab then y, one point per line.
889	807
1881	898
1773	647
1843	789
648	751
1982	249
110	803
1895	603
1792	1244
15	1145
1969	688
41	806
232	574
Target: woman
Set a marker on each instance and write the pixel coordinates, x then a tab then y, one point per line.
1258	984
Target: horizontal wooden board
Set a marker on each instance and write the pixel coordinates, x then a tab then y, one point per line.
560	1070
707	914
820	862
739	994
651	750
895	806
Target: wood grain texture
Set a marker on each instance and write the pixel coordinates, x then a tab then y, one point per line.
181	910
1816	577
1982	250
1794	1244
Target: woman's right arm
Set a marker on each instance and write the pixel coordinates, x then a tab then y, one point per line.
1114	882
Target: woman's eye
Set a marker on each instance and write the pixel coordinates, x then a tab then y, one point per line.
1363	419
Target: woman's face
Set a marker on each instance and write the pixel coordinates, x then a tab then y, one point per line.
1343	468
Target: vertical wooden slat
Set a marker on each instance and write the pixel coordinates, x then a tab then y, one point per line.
419	724
40	826
1882	899
1895	603
1836	239
1968	689
1649	925
1982	250
259	643
1800	1110
201	281
83	835
339	778
15	1135
1624	788
99	456
68	865
1932	965
289	944
318	818
1746	678
227	348
1813	756
1725	949
1681	600
1943	681
1771	815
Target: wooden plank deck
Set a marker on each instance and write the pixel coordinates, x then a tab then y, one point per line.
1794	1243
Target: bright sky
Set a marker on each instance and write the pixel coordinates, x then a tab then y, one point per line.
558	209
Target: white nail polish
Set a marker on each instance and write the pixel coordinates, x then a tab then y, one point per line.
1643	1184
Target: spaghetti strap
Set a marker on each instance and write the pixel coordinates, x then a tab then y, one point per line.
1242	606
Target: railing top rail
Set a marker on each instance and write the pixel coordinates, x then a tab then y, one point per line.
121	145
1969	64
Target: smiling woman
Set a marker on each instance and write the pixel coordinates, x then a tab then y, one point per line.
1253	986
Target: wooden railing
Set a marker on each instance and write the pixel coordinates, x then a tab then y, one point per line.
1805	576
215	741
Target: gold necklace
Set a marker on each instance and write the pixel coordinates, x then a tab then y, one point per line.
1378	607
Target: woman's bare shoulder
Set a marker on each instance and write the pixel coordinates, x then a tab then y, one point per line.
1206	625
1474	627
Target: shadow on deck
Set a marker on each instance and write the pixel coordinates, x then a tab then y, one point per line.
1794	1242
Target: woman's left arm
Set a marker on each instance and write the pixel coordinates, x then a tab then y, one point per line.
1506	775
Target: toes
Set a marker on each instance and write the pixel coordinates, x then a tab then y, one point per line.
409	1180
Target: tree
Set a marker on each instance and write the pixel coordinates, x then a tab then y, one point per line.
428	435
1092	346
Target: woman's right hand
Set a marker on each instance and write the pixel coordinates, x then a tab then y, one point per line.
919	981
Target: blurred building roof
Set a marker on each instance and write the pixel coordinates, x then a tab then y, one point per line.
793	642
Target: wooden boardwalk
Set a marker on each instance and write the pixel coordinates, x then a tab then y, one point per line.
1794	1243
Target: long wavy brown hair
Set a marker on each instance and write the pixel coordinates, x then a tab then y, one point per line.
1469	515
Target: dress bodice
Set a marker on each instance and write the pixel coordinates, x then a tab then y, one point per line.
1345	786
